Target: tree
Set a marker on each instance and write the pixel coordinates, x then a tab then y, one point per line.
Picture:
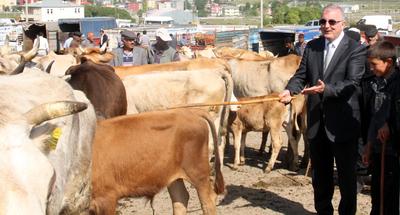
187	5
200	6
93	11
293	16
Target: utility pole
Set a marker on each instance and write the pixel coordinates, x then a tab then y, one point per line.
262	14
26	10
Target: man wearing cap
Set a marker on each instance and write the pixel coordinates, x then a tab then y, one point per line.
129	54
161	52
300	45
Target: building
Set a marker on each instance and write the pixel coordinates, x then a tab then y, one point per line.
52	10
134	7
229	10
216	9
8	3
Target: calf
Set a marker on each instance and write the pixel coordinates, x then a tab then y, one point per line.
266	117
138	155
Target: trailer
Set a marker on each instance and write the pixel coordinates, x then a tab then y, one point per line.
86	25
273	39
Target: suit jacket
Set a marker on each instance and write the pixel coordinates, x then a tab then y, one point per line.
338	106
139	56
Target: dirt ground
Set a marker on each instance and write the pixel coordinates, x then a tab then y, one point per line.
251	191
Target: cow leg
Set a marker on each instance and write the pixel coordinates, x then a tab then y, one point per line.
263	143
292	155
306	156
242	146
237	137
206	195
276	142
179	196
105	205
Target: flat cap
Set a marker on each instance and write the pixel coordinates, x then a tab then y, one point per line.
370	30
130	35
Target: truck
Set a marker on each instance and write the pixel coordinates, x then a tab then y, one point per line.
382	22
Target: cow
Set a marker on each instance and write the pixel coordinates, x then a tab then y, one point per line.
268	116
161	90
45	164
138	155
70	58
101	85
195	64
11	64
233	53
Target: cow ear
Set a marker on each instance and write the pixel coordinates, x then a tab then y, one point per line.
83	59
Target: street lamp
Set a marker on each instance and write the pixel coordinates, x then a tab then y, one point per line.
262	14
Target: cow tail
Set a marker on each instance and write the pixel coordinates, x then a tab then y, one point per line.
294	118
219	184
227	77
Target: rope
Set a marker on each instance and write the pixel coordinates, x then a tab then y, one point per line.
243	102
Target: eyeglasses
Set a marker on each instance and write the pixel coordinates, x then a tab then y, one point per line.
331	22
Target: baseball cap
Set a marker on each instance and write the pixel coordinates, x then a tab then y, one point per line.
163	34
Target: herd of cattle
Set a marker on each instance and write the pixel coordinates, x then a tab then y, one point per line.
67	145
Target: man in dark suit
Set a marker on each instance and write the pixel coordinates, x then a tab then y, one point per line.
330	73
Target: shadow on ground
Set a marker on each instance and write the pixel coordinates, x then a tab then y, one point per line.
263	199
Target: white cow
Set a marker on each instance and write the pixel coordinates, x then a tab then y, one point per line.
38	177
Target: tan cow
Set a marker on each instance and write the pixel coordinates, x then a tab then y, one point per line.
233	53
195	64
160	90
138	155
11	64
266	117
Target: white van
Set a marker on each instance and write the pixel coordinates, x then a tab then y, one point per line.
382	22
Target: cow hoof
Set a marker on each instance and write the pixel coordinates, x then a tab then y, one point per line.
267	170
235	167
241	163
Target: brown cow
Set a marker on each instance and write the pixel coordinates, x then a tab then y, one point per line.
266	117
138	155
102	87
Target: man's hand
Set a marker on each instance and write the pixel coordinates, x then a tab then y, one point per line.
319	88
383	133
285	97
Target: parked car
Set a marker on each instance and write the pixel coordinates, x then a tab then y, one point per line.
314	22
382	22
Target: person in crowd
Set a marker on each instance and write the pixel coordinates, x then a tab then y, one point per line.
129	54
43	44
255	40
300	44
89	42
289	46
183	41
173	43
383	97
77	38
353	33
145	40
161	52
103	38
329	74
67	42
369	34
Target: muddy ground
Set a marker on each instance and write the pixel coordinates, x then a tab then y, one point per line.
251	191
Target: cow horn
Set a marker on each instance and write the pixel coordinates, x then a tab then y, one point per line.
49	111
20	68
48	69
82	50
33	52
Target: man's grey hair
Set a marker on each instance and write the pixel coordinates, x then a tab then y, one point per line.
334	7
